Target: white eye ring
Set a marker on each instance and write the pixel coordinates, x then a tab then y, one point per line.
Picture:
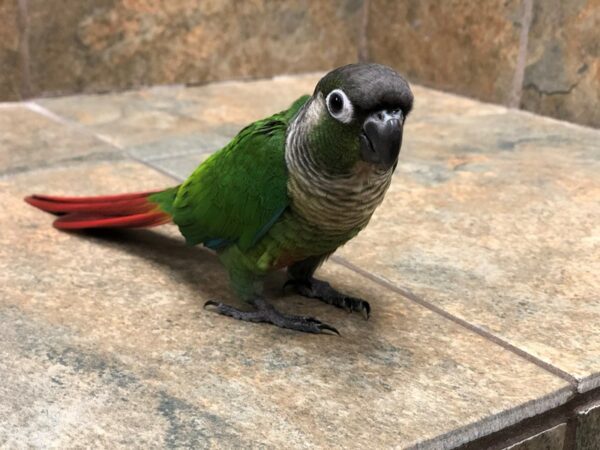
339	106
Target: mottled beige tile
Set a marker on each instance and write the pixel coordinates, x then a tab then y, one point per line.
103	45
117	318
562	76
149	118
494	218
456	46
552	439
57	394
30	140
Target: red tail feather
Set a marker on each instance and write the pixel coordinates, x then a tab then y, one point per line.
113	211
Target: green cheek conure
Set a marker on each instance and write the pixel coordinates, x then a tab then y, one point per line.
287	191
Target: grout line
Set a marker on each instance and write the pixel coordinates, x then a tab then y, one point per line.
24	55
36	107
156	168
514	99
474	328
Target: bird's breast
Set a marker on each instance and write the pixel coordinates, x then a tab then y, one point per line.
332	204
337	204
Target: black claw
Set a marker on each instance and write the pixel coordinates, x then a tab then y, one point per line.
324	327
366	310
211	303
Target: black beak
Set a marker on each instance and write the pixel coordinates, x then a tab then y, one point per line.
381	138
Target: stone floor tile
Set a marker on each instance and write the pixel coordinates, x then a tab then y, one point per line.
552	439
29	140
494	218
587	434
207	141
474	179
105	337
56	394
432	105
141	117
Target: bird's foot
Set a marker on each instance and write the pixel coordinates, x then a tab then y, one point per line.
265	312
323	291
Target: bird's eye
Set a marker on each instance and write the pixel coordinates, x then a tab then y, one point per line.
339	106
336	103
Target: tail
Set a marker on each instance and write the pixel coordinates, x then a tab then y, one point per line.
139	210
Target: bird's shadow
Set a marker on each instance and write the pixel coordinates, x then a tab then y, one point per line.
196	266
200	269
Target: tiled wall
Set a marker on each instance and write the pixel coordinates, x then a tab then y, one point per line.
562	75
539	55
101	45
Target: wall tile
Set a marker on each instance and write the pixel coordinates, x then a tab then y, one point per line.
455	45
552	439
98	45
9	51
588	427
562	77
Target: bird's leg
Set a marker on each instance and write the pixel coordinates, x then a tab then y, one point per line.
301	278
248	285
265	312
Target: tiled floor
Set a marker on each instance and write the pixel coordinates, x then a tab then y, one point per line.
481	266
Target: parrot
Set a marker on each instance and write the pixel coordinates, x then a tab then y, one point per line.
284	193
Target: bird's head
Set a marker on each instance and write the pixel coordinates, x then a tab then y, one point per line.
356	115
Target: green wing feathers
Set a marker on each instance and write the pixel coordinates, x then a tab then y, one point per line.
240	191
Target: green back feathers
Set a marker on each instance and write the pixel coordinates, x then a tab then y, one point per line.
240	191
